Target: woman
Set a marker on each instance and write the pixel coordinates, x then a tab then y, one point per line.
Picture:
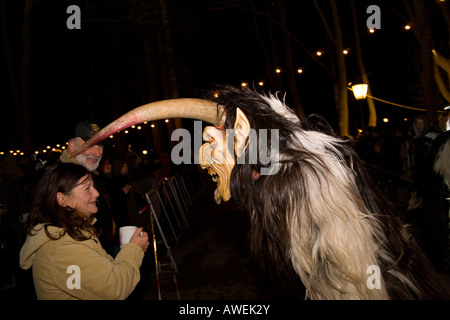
62	245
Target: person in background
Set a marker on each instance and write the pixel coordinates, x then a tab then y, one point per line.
62	245
90	159
422	139
118	191
80	133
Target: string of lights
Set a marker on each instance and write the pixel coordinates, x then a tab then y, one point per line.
278	70
60	147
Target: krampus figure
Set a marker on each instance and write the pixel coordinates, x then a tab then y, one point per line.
313	207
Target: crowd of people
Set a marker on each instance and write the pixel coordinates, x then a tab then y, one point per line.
398	150
120	183
404	161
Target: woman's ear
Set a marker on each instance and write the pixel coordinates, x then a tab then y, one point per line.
62	199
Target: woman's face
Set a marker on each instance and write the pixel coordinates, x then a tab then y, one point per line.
82	198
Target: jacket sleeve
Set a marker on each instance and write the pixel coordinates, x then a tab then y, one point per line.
100	277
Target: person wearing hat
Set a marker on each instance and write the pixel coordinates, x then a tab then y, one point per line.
90	159
82	132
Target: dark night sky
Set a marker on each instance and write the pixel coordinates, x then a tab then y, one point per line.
211	47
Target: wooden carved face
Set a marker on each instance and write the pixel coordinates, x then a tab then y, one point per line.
217	155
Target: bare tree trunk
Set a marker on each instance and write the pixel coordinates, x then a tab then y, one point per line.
290	68
445	10
20	76
85	55
24	110
420	13
152	85
13	76
274	54
362	70
170	61
276	61
340	76
152	91
268	62
342	73
440	61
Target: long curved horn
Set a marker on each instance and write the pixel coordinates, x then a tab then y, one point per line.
173	108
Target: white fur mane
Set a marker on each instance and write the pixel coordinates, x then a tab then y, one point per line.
279	107
320	211
334	238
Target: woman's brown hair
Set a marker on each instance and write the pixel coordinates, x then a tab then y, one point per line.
46	210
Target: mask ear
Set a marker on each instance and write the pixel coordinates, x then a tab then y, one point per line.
241	131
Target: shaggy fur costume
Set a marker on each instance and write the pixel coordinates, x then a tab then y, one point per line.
320	214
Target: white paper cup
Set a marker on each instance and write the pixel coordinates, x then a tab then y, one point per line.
125	234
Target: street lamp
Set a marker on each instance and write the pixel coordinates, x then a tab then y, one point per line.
360	91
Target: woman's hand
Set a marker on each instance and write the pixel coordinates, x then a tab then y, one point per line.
140	238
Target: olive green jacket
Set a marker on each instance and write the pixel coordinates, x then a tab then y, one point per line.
66	269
